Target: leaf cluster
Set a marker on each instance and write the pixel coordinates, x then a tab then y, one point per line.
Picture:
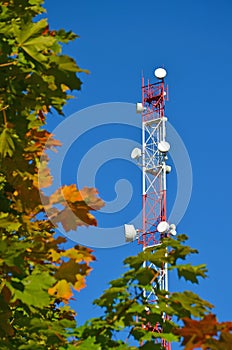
37	274
206	333
130	317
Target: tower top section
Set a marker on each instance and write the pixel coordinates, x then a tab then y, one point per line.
154	96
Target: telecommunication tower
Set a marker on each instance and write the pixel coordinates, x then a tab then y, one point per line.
152	157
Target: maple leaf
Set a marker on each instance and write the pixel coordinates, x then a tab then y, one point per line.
79	254
71	194
191	273
76	207
70	221
195	333
66	193
61	290
33	290
69	270
71	273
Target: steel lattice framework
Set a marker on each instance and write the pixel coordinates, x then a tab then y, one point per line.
154	176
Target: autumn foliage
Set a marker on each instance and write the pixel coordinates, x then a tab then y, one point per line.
207	333
37	274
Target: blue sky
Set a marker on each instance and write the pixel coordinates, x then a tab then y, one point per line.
192	39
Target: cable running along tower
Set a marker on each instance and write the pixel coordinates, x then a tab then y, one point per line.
153	157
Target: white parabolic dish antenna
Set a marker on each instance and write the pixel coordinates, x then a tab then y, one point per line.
130	233
139	107
163	146
136	153
160	73
163	227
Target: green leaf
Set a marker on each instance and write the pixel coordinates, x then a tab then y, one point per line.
65	37
7	145
188	303
35	289
34	122
12	253
9	222
35	46
66	63
191	273
29	30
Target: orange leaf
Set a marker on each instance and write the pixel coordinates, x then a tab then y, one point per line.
62	289
196	333
80	283
77	205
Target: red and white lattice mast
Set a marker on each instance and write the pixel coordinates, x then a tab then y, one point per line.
153	155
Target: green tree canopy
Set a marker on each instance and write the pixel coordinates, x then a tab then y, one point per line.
131	321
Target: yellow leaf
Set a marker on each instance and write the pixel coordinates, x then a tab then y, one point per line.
55	256
80	283
76	254
64	87
61	290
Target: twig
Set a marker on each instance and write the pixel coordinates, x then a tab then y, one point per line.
4	116
8	64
